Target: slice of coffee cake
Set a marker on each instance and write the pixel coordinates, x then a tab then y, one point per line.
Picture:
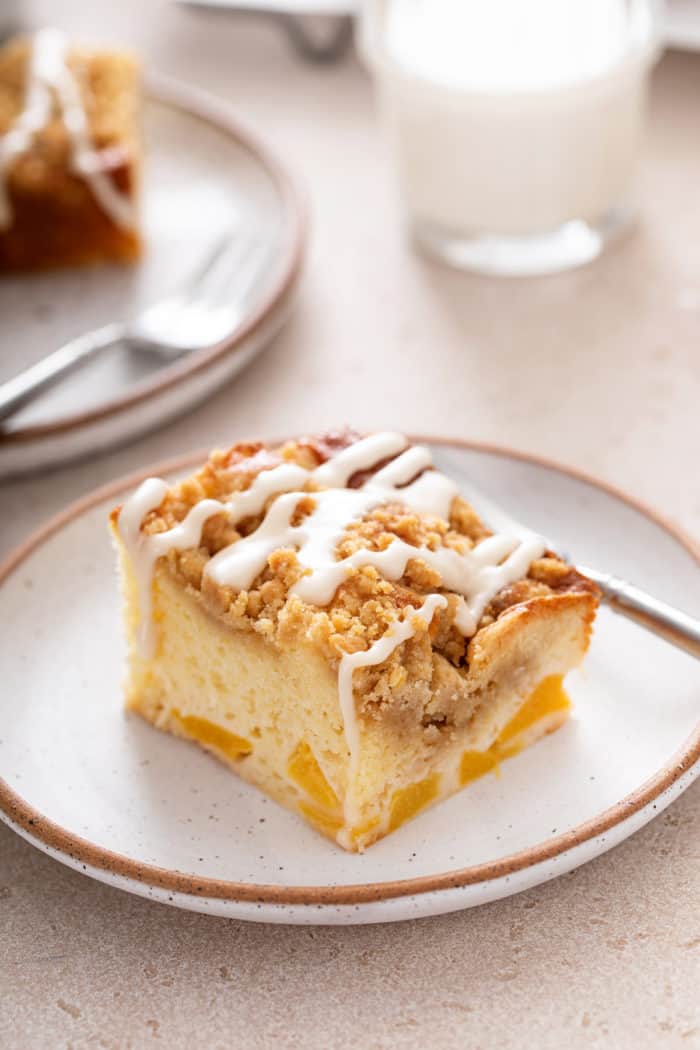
70	154
334	621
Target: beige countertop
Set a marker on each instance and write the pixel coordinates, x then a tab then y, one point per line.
599	368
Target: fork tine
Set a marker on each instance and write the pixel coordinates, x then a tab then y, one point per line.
214	299
209	261
236	274
225	263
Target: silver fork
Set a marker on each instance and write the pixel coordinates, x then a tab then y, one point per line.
676	627
201	315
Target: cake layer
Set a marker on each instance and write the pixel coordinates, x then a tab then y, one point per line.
274	718
274	714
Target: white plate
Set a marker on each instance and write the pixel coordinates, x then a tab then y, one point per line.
110	796
204	174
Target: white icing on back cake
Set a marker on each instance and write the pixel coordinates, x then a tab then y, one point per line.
50	83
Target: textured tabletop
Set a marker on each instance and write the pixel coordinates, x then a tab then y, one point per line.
598	368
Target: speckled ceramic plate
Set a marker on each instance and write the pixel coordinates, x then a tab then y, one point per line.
110	796
204	175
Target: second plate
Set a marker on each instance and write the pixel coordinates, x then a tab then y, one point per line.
204	174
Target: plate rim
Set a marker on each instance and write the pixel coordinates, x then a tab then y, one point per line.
15	811
207	108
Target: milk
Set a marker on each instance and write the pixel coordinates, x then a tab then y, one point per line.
512	118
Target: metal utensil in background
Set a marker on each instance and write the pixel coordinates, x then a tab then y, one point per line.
11	18
662	619
319	38
201	315
320	32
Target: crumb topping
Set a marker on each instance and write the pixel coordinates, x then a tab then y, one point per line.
366	604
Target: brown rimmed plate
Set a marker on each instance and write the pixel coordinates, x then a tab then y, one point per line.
109	796
204	174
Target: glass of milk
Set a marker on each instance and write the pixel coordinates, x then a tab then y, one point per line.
516	124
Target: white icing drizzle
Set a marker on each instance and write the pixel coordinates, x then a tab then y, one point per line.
475	575
337	471
431	493
146	549
315	541
403	468
49	77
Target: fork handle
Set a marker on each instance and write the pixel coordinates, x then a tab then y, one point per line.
23	388
676	627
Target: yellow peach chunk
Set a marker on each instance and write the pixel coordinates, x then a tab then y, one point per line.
475	764
410	800
360	831
548	697
304	770
211	735
327	823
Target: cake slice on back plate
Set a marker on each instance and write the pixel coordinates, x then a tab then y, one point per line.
70	154
331	619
